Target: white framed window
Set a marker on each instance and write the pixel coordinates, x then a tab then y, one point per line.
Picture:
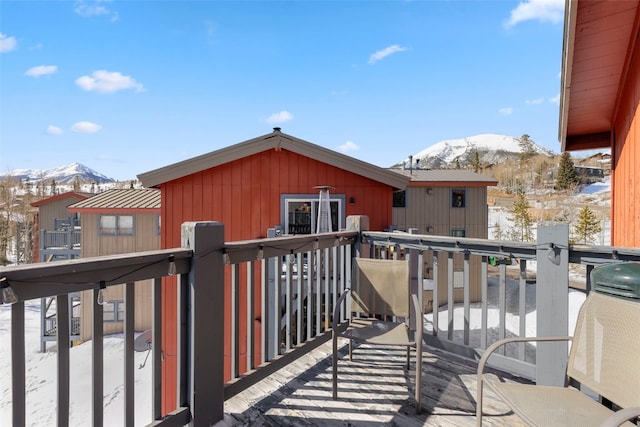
116	225
458	232
300	212
113	311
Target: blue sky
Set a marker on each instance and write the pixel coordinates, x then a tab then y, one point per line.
125	87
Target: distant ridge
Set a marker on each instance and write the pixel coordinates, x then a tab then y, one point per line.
491	148
62	175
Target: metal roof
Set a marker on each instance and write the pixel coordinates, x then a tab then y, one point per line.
274	140
120	199
68	194
446	176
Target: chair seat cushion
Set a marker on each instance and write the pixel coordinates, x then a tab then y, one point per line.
540	405
378	332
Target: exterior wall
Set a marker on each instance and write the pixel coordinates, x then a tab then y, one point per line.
145	238
625	182
56	209
428	208
245	195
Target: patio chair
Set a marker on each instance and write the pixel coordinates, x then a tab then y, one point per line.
603	357
379	313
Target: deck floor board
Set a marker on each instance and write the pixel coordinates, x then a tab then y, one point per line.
375	389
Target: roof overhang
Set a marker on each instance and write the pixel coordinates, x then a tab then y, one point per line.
599	37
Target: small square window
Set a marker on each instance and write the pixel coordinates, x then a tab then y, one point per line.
400	199
458	233
458	199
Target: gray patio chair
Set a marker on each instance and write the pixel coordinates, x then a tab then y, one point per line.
604	357
380	290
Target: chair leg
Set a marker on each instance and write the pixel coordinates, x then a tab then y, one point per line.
408	357
350	350
418	393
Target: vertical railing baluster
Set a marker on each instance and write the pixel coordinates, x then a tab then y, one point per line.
450	284
325	287
319	296
484	289
97	361
18	372
264	310
309	286
334	279
156	348
235	320
467	298
62	313
522	307
129	327
277	307
299	305
250	313
288	300
502	305
435	304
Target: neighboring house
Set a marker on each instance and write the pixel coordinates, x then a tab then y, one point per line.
57	237
264	183
57	234
600	99
116	222
445	203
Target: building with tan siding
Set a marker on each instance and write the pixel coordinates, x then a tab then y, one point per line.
115	222
445	202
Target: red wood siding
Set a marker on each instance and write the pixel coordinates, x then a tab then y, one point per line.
245	195
625	188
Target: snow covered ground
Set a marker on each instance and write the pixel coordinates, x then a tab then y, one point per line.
41	367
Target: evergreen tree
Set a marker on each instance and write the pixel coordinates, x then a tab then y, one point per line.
521	219
53	190
76	184
567	176
476	161
587	225
457	163
526	147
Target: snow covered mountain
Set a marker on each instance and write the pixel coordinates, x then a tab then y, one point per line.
62	175
491	148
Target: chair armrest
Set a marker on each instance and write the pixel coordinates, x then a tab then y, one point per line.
336	309
485	357
621	416
493	347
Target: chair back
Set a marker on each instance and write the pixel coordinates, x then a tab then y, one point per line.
605	353
380	286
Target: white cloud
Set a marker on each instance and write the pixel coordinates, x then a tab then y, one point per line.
88	9
348	146
7	44
555	99
507	111
381	54
54	130
41	70
536	101
540	10
104	81
281	117
85	127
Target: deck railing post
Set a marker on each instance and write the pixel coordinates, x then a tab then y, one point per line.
205	319
552	301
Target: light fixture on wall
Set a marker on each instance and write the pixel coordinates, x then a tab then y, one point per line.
554	254
7	296
429	191
352	200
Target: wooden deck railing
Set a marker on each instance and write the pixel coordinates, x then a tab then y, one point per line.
282	291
